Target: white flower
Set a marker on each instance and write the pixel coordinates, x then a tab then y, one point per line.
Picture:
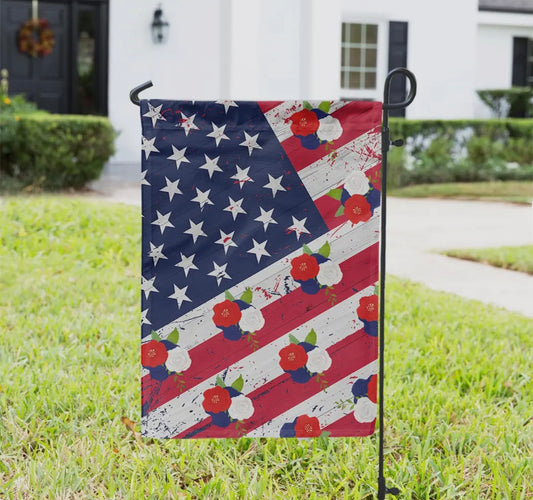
329	128
329	273
251	320
178	360
365	410
318	360
356	183
241	408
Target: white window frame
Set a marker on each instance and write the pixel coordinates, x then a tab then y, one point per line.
382	59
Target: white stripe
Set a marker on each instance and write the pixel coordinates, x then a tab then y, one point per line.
259	368
324	405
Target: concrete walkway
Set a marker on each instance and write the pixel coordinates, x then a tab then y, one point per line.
418	228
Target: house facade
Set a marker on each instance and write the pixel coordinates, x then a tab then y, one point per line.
267	49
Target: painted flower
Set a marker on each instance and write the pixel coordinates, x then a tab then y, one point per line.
306	427
216	400
357	209
178	360
368	308
329	129
252	320
365	410
329	273
241	408
305	267
357	183
304	123
153	354
292	357
373	389
227	313
318	360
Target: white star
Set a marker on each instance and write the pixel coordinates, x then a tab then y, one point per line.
195	230
226	240
274	184
242	176
148	146
298	227
202	198
218	133
250	142
188	123
163	221
144	319
227	104
143	178
186	263
235	207
211	165
178	156
219	272
147	286
265	218
156	253
179	295
259	250
154	114
171	188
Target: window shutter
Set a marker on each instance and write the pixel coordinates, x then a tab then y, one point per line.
397	59
519	62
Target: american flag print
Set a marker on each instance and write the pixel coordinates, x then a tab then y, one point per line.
260	260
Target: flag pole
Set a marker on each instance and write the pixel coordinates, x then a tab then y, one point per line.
385	146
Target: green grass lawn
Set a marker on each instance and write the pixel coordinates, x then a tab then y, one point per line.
510	191
516	258
459	390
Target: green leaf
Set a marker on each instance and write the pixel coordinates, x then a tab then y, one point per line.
220	382
229	296
247	296
336	194
340	211
238	384
293	339
311	337
324	250
307	250
325	434
174	336
155	336
324	106
307	105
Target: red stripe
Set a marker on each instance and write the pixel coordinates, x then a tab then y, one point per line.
281	394
268	105
217	353
347	426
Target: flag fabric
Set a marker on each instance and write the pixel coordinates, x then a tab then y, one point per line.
260	261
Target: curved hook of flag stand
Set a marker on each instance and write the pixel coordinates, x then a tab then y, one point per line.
134	94
386	144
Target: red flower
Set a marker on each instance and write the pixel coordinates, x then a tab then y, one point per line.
153	354
227	313
357	209
304	267
368	308
304	122
216	400
292	357
372	388
307	427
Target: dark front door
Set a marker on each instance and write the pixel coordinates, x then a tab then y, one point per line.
73	78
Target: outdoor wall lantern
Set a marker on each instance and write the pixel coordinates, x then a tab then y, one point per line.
159	26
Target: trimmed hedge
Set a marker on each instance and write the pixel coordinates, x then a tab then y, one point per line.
54	151
460	151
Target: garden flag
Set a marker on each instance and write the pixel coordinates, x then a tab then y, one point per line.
260	256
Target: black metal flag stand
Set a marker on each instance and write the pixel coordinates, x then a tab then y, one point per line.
386	144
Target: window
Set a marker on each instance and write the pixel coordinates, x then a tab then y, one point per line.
359	56
530	63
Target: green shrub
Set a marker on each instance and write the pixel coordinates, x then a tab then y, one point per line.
461	151
55	151
514	102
